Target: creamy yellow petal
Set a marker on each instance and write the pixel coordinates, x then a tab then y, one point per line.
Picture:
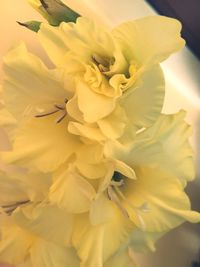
72	192
101	210
94	106
144	102
43	144
87	131
166	145
46	254
156	201
92	171
8	123
45	221
12	190
95	244
114	124
29	86
36	185
83	39
54	42
14	244
149	40
73	109
87	35
18	185
91	153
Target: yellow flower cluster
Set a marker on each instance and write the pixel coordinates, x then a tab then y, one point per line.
94	170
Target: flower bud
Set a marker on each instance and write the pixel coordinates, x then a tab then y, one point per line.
54	11
31	25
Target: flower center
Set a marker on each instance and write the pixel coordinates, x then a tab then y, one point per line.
57	108
103	63
9	208
116	195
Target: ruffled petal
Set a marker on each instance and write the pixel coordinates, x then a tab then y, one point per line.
94	106
149	40
91	132
114	124
166	144
144	102
82	39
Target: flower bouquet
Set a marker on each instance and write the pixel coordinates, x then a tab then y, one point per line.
95	171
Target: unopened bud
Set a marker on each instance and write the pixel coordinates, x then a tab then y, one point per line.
31	25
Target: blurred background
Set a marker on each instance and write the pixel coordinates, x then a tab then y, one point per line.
180	247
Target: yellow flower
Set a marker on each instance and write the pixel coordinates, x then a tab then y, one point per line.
111	184
36	98
119	66
104	88
137	212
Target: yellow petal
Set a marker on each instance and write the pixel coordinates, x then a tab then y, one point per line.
73	109
29	86
12	190
167	145
91	153
14	244
94	106
101	210
149	40
91	171
83	38
144	102
54	42
43	144
44	221
87	131
95	244
71	192
46	254
114	124
156	201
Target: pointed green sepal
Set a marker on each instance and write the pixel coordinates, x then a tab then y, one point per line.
31	25
54	11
